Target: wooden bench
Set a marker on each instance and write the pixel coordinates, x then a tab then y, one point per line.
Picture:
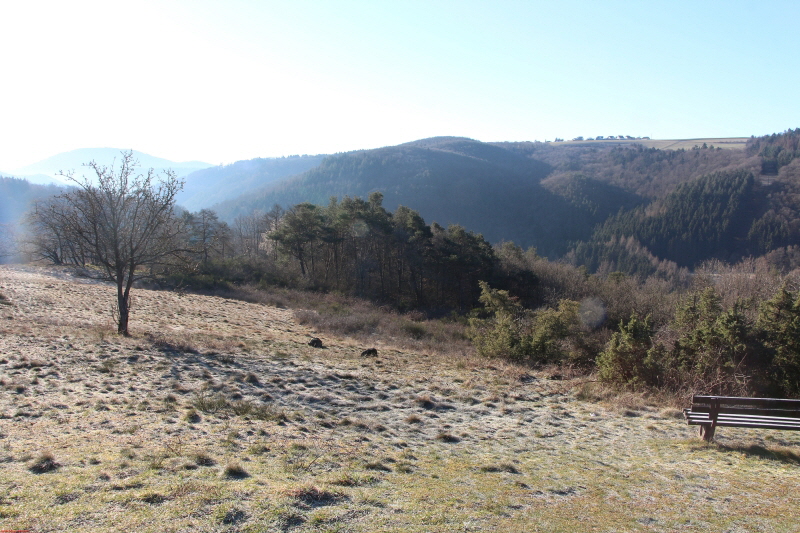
708	412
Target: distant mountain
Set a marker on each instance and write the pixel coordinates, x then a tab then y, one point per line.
75	159
486	188
209	186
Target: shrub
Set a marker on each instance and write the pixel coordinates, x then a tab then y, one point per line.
542	337
626	360
713	347
706	350
779	319
504	335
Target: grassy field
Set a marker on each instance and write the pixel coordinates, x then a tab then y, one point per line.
216	415
727	143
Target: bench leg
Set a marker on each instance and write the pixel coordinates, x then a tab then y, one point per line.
707	432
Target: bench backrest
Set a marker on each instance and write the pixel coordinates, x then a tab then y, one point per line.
754	406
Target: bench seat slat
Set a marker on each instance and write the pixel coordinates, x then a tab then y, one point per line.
724	415
762	425
728	419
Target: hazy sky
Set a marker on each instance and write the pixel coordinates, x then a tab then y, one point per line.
228	80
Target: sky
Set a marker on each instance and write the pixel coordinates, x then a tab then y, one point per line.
222	81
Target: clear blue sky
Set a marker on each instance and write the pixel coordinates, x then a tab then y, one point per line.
228	80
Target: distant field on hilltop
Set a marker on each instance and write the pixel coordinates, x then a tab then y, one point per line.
730	143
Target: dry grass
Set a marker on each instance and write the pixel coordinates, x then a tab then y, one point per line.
217	416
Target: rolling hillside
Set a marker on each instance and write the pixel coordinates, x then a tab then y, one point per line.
486	188
216	184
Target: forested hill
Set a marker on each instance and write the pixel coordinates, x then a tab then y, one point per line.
751	207
216	184
485	188
610	207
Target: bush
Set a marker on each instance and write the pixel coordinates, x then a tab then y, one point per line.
627	359
541	337
779	320
504	335
706	350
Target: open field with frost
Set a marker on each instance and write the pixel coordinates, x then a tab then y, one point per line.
217	416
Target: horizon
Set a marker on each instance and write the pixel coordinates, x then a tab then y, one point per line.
559	141
200	81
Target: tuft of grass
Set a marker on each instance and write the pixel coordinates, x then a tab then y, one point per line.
377	466
153	498
235	471
425	401
203	459
174	345
313	496
45	462
502	467
413	419
209	403
192	416
233	516
258	448
350	480
107	366
268	413
66	497
447	437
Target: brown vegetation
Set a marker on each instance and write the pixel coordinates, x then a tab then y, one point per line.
156	431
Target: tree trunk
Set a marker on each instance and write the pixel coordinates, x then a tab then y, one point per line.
123	311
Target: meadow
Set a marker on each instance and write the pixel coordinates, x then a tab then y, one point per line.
216	415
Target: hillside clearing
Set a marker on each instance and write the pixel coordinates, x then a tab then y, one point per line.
726	143
217	416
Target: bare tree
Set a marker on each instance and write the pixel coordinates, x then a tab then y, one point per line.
207	235
47	238
248	231
124	221
8	242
